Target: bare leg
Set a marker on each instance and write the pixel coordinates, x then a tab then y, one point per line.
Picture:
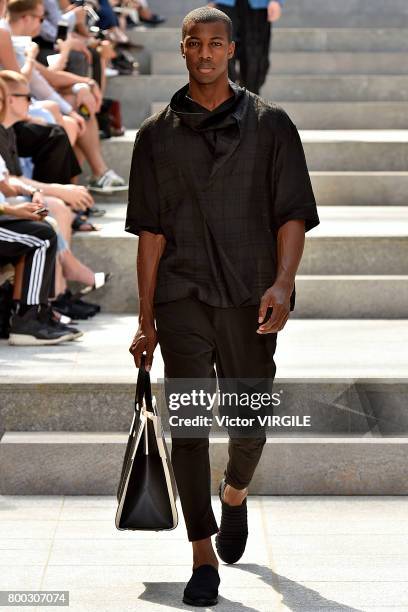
67	123
70	267
63	215
60	282
89	144
74	270
234	497
18	278
71	128
203	553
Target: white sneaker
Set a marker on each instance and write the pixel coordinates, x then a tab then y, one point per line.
108	183
111	72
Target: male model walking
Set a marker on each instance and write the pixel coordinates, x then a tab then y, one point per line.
252	31
220	196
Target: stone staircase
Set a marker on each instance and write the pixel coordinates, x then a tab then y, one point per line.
338	69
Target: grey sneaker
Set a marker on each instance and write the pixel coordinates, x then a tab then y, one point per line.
109	182
29	330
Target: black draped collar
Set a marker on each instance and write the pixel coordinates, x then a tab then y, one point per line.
199	118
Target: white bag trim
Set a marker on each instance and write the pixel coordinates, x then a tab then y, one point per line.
155	418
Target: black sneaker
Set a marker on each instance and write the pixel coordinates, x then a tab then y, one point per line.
47	315
29	330
75	309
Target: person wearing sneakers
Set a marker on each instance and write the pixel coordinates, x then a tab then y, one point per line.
221	198
24	234
24	18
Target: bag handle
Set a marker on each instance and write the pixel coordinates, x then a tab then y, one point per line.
143	386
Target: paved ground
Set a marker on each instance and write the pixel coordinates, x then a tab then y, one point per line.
304	554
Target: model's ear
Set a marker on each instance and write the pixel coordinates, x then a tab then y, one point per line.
182	49
231	49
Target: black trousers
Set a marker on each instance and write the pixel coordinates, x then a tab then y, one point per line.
252	33
37	241
49	147
194	337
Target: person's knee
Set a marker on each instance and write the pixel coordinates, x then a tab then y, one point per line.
248	444
59	208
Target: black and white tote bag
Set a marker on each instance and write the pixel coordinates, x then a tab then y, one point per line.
147	490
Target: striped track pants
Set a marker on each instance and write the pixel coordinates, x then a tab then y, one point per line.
37	241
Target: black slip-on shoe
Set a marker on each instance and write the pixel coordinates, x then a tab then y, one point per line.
232	535
202	588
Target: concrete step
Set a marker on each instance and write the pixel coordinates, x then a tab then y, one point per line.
139	92
338	115
325	20
352	297
331	188
61	463
313	13
304	62
315	350
340	381
301	39
349	188
334	406
370	242
325	150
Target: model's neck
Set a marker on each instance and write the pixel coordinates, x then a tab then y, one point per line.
210	95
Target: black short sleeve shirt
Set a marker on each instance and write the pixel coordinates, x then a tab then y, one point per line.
218	186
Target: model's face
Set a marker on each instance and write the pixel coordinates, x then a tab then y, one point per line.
207	51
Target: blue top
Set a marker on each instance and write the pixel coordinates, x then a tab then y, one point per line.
255	4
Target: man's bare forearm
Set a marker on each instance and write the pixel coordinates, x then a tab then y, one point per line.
150	250
291	242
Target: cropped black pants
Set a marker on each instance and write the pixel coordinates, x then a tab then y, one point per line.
194	337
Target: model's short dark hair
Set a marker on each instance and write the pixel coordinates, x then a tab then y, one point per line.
206	14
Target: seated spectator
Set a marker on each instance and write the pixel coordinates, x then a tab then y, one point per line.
138	11
146	15
71	268
77	54
24	19
22	233
8	60
48	145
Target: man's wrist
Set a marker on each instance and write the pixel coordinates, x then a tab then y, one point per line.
146	314
285	282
